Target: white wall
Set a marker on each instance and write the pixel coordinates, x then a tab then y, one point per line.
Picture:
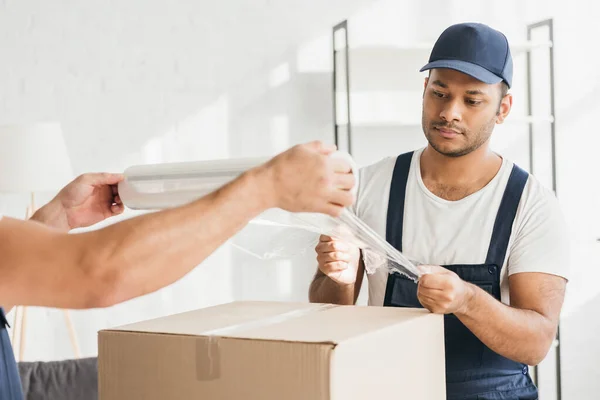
149	81
152	81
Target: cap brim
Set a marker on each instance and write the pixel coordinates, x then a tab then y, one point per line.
468	68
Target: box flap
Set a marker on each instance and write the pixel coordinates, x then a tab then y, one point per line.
334	324
298	322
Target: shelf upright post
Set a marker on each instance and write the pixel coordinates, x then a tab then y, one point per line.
337	48
548	23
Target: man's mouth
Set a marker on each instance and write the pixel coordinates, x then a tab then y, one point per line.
447	133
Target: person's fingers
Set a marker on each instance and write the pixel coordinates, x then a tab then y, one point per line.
319	248
340	165
102	178
323	148
434	281
325	238
331	245
334	257
117	209
332	267
342	198
118	200
344	181
322	247
433	294
425	298
322	259
428	304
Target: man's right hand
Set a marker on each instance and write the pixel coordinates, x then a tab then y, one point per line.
306	179
338	260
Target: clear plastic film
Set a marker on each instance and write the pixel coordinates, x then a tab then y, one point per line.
276	234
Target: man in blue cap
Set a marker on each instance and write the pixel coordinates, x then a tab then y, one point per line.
492	238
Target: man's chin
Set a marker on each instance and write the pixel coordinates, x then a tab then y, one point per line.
448	149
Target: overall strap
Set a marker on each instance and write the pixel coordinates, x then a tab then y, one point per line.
395	211
10	382
506	216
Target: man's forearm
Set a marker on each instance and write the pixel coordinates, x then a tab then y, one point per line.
325	290
521	335
127	259
181	238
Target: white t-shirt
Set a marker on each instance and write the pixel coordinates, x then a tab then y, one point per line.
442	232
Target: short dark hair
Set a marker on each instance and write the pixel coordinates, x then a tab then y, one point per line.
503	93
503	89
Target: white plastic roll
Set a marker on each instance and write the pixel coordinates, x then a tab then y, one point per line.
160	186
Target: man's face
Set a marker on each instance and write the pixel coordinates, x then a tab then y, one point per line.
459	112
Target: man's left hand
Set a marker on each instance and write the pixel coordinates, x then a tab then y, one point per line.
441	291
89	199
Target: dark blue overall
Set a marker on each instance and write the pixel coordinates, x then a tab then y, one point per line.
10	383
473	371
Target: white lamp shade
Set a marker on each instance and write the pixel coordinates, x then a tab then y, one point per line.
33	158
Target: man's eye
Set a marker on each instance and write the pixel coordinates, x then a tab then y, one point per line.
438	94
472	102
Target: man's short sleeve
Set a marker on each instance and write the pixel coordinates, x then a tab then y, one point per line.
541	241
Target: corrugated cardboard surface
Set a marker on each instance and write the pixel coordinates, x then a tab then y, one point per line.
402	361
153	367
262	350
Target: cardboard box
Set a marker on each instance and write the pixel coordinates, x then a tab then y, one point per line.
275	351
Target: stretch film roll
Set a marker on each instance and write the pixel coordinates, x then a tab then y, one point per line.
160	186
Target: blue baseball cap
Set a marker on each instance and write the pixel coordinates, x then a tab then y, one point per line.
473	49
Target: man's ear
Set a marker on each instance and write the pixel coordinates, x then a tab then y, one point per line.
504	108
425	85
